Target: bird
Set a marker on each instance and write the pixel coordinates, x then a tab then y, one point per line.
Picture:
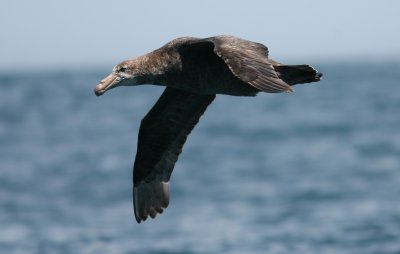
194	71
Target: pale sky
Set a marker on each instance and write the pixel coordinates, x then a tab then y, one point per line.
73	33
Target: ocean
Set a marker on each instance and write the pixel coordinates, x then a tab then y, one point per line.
314	171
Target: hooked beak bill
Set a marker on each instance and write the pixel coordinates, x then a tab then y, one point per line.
107	83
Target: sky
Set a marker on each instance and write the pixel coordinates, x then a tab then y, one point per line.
88	33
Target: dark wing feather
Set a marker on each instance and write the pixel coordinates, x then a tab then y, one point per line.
249	62
162	133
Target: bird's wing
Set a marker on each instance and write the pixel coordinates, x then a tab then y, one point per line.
247	60
162	133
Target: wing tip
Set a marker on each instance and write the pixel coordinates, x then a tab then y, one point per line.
150	199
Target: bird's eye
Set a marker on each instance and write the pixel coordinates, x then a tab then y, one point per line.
122	69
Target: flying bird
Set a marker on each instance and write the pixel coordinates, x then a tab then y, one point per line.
193	70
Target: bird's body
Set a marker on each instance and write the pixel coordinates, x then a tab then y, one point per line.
201	71
194	71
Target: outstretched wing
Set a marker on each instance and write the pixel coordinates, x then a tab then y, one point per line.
247	60
162	133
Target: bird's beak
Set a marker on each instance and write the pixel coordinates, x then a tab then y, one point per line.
109	82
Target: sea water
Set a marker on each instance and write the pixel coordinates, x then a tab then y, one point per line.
315	171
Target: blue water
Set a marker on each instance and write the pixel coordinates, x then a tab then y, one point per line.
315	171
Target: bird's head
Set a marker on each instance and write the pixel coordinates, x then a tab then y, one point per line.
124	74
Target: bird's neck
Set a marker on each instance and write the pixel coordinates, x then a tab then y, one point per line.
157	65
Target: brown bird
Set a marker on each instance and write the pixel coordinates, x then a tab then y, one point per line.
193	70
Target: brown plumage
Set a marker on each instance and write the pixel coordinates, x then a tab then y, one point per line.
194	71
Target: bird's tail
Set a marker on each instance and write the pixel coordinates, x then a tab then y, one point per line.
297	74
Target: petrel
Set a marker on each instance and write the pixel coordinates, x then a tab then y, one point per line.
193	70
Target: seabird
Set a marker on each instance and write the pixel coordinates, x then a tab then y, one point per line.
193	70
